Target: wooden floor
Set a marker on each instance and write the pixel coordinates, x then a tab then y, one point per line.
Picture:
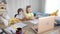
54	31
28	30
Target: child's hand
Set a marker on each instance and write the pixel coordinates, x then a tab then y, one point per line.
33	18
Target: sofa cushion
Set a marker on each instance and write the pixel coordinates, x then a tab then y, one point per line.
57	19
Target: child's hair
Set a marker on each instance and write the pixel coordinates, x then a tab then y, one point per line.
19	29
27	8
19	10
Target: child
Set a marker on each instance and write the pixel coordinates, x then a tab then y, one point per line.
19	31
29	14
20	14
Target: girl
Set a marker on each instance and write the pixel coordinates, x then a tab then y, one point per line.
29	14
20	14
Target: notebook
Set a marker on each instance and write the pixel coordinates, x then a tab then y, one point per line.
20	25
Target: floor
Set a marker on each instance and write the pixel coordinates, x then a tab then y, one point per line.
56	30
28	30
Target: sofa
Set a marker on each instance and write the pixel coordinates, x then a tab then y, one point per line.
39	14
57	18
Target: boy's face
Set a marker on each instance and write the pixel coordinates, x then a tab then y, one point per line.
29	10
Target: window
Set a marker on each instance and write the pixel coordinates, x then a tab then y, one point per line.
51	6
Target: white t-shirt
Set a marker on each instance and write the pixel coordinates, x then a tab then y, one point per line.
20	16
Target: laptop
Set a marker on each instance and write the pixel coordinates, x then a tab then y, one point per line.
45	24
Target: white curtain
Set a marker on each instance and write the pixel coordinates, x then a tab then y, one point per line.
13	5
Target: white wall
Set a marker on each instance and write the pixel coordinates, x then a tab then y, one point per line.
13	5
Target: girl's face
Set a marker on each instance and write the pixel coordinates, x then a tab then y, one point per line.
20	12
29	10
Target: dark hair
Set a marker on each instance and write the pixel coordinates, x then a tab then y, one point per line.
27	8
19	10
19	29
